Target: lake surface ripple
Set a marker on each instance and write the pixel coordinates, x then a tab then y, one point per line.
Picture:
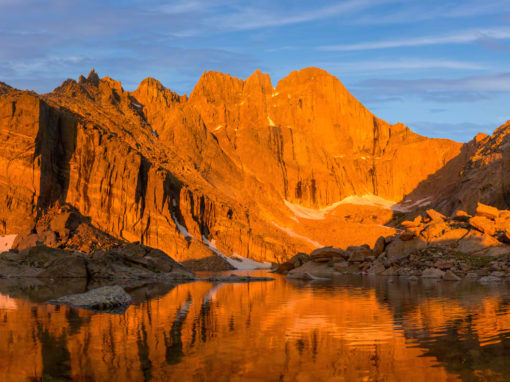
356	328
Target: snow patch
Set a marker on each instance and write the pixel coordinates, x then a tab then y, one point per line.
136	105
212	246
363	200
368	200
275	94
270	121
182	229
310	213
296	235
243	263
6	242
237	261
408	206
218	127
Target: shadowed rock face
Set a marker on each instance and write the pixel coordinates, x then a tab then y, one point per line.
177	173
127	262
480	174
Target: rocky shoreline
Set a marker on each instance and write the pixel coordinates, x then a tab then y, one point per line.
121	268
130	261
430	246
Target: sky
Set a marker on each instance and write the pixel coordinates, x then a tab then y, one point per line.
440	67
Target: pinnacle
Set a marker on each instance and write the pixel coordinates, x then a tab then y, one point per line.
93	77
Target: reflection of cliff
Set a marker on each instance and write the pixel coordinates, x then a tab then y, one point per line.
267	331
55	357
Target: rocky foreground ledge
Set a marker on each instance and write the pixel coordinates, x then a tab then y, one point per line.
430	246
129	264
129	261
132	261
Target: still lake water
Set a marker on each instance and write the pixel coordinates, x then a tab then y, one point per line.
356	328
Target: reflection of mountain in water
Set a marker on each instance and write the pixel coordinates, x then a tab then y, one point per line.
356	329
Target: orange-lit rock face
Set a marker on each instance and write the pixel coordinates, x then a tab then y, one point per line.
266	331
156	167
312	140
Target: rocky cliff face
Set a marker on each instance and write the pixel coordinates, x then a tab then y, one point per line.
216	170
480	173
312	140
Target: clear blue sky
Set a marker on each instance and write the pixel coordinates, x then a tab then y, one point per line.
441	67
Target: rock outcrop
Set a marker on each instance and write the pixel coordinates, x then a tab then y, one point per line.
127	262
431	246
479	174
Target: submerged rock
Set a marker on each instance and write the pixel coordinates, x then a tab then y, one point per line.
489	280
450	276
237	279
313	269
104	298
432	273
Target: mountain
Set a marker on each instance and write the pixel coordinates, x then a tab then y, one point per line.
239	166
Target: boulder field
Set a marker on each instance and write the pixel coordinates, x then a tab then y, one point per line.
429	246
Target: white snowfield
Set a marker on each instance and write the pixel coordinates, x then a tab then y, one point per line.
243	263
370	200
410	205
181	228
363	200
310	213
6	242
237	261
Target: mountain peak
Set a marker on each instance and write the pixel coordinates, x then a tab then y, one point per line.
261	79
93	77
214	85
151	83
151	90
310	73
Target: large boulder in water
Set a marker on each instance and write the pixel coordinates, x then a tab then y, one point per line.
105	298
